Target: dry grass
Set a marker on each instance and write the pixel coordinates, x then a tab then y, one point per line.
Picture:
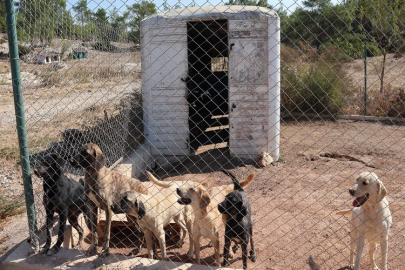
394	72
10	207
100	69
11	153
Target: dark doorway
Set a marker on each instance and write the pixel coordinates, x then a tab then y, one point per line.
207	82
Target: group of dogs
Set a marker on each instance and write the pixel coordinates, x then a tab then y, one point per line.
151	206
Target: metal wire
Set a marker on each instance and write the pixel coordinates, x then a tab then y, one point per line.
186	89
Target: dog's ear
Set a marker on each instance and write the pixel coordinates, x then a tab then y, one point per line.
382	191
36	172
205	198
54	157
242	208
141	189
99	161
141	209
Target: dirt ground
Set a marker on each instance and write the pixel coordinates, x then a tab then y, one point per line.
293	203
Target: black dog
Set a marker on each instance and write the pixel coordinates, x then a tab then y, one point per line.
62	195
239	223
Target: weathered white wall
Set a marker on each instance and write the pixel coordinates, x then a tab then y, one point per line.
254	79
164	63
248	87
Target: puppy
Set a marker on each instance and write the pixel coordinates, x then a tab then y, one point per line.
102	187
207	219
153	213
239	224
371	219
62	195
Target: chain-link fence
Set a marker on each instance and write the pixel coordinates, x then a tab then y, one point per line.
306	95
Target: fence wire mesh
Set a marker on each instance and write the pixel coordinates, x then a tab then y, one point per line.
306	95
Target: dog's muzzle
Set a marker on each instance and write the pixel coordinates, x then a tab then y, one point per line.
184	201
359	201
221	209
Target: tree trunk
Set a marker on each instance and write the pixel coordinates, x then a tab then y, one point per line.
382	72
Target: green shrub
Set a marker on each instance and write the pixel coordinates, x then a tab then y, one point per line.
289	54
351	46
23	50
400	52
64	48
317	87
105	46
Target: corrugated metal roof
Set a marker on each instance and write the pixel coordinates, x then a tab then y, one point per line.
211	12
48	54
80	50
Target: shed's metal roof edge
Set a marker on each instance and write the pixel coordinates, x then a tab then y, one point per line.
206	12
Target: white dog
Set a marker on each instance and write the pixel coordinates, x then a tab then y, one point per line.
371	219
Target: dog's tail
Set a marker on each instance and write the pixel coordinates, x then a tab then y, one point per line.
245	183
347	212
157	182
237	185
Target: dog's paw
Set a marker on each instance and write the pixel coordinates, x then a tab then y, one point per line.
44	250
53	251
351	266
91	251
105	252
190	255
253	256
78	246
210	244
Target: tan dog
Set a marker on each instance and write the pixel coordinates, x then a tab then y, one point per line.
154	212
371	219
102	188
208	219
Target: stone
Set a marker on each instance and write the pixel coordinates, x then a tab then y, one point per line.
264	159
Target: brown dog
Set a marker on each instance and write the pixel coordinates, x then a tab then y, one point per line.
102	187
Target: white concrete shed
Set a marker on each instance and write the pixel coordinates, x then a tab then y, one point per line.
211	75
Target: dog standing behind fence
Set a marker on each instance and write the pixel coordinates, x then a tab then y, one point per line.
208	219
62	195
102	187
155	211
239	227
371	219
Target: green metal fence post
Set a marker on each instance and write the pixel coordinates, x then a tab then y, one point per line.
365	78
20	122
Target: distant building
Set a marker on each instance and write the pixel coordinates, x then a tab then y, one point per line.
48	57
80	53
